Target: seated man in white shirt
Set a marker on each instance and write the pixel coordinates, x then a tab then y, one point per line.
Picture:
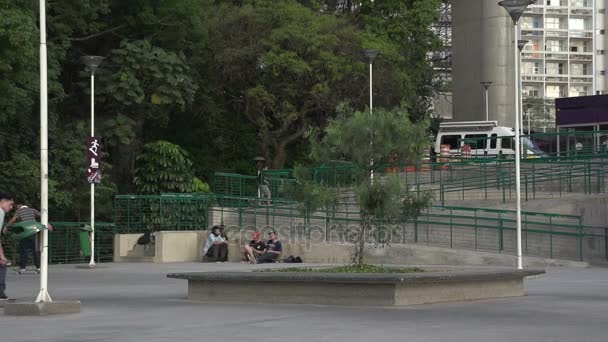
216	247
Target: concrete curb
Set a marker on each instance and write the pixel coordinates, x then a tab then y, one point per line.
42	309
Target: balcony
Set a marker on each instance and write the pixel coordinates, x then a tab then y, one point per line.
580	57
533	33
532	55
533	10
581	34
557	11
556	79
582	80
557	56
532	78
581	12
556	33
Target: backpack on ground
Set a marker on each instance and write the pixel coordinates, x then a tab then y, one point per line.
146	239
292	260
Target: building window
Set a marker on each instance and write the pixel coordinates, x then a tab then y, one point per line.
555	68
579	91
554	45
553	91
531	67
578	69
552	23
576	24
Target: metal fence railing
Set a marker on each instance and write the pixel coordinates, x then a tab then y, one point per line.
69	243
140	213
546	235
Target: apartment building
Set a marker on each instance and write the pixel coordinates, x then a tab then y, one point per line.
565	56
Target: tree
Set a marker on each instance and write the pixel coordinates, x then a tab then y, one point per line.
285	68
367	141
166	167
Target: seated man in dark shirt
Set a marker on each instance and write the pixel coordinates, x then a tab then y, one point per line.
254	249
273	249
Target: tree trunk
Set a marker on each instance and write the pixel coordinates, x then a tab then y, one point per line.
280	156
361	237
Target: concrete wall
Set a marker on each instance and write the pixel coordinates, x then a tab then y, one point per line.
179	246
187	247
482	51
127	250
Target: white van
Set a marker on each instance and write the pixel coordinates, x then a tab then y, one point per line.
500	140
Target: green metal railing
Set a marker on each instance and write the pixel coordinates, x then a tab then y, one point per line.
141	213
545	235
65	242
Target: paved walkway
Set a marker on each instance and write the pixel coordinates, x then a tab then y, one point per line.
135	302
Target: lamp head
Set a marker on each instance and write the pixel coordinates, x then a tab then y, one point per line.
371	54
91	62
521	44
516	8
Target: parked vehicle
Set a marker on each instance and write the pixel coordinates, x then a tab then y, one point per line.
485	138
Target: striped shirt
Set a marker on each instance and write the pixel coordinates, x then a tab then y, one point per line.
27	214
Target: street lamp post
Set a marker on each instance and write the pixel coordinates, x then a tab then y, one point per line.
521	43
516	8
92	62
486	85
43	295
371	54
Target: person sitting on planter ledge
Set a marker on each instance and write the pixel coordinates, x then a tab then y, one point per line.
274	248
216	246
254	249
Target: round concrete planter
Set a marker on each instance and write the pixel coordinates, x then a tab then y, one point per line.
357	289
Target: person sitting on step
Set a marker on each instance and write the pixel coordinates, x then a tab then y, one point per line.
254	249
274	249
216	246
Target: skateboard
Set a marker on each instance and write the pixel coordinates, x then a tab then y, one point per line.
27	271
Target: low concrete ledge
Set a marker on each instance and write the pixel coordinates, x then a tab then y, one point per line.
354	289
42	309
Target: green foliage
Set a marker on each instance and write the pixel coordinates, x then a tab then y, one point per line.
366	140
309	193
227	80
166	167
290	70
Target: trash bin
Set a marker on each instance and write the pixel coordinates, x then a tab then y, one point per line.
85	240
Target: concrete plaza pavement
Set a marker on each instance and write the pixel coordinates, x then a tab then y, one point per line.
136	302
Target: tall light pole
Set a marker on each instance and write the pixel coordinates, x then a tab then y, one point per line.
521	43
486	85
43	295
92	62
371	54
516	8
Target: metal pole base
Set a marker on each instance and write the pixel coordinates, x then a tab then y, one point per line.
92	264
43	297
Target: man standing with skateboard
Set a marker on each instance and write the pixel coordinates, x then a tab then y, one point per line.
6	205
